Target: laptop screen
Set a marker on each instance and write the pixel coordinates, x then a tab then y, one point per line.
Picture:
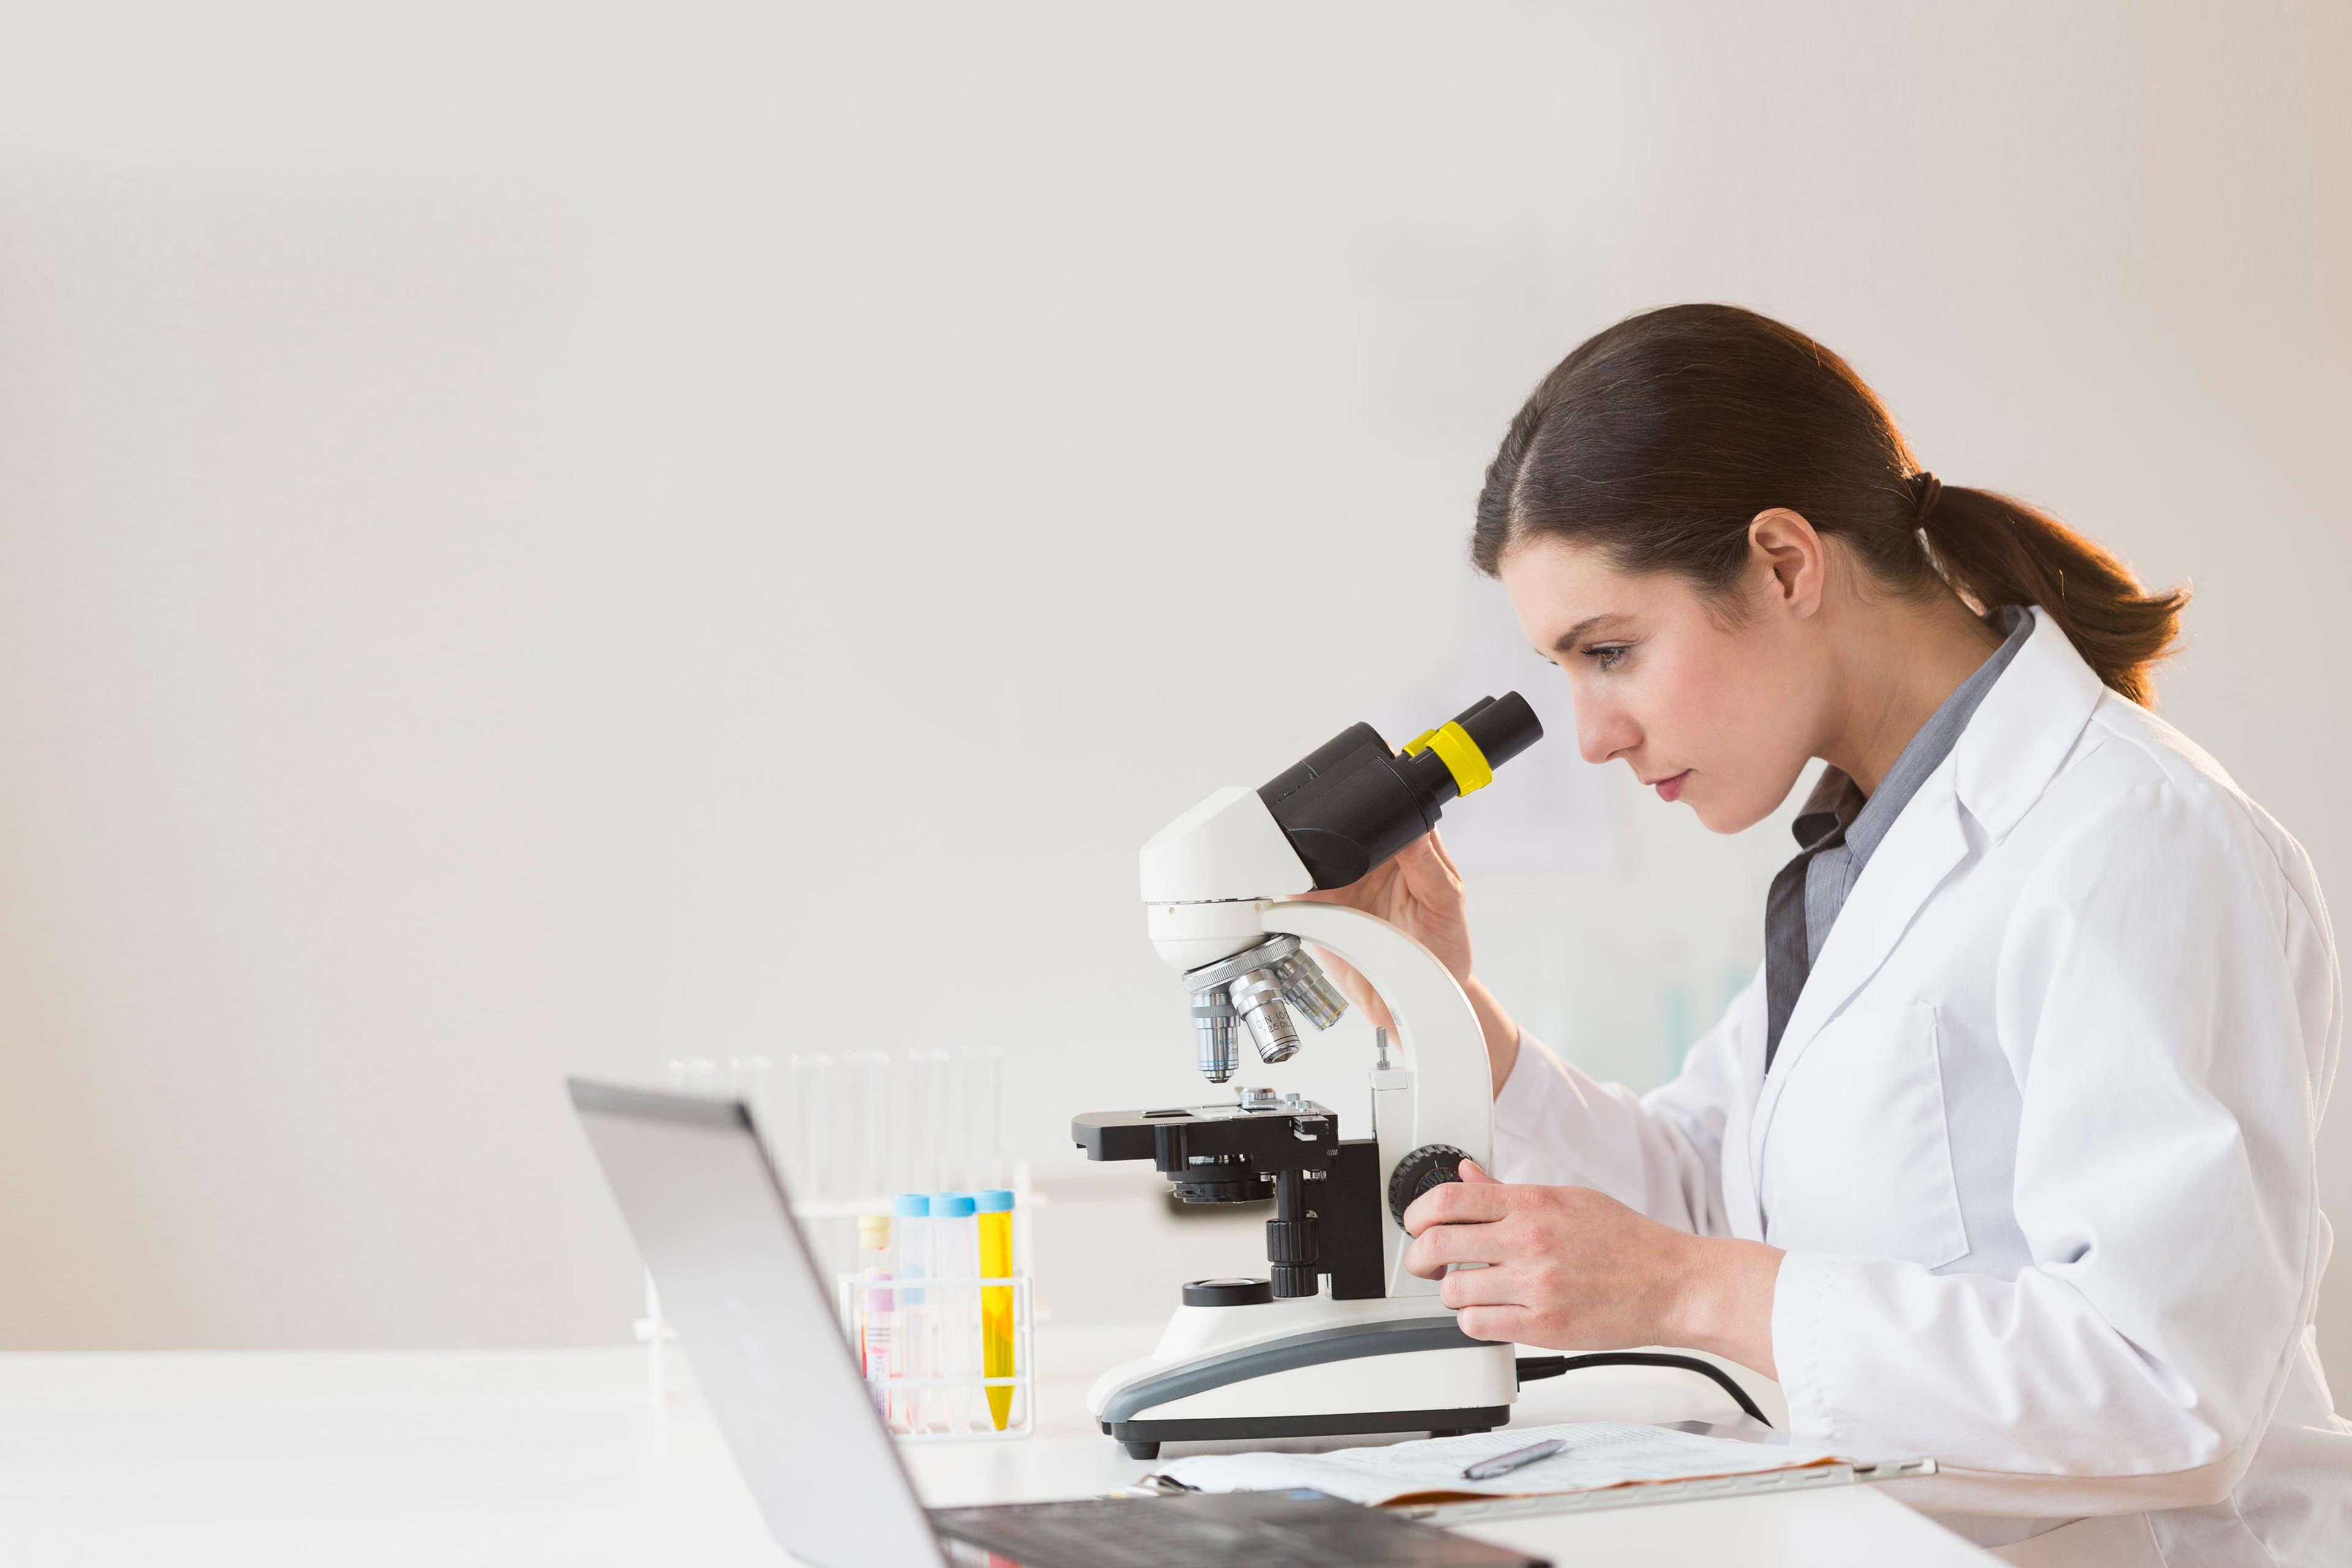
709	1214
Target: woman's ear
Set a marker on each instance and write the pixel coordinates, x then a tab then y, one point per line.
1793	558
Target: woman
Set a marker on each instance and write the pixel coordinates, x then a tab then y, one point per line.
2005	1156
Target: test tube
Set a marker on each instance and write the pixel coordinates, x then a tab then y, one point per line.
955	1234
995	1223
910	1408
983	1118
809	1171
863	1156
876	1308
930	1099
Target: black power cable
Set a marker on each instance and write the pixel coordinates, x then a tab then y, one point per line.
1535	1368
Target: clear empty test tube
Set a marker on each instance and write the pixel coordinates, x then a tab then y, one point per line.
932	1113
983	1097
808	1170
911	1259
954	1125
805	1143
955	1233
864	1154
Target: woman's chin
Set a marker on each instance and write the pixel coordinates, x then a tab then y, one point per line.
1719	816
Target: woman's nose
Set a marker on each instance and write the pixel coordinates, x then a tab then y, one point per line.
1602	733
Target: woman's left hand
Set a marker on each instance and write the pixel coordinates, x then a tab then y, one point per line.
1573	1269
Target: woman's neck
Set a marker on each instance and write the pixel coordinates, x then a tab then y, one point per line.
1899	661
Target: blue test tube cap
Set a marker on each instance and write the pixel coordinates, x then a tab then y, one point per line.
912	1206
952	1205
996	1200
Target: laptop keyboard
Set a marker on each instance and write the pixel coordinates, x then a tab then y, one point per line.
1261	1529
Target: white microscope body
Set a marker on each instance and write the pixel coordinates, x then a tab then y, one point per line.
1352	1343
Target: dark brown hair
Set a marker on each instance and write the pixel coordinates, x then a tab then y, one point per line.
1660	439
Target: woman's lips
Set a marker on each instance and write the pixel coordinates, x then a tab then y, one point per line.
1668	789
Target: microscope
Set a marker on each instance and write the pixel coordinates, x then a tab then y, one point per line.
1336	1338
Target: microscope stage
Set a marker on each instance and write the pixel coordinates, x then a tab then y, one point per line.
1294	1133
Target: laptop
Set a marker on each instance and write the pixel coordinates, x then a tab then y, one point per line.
711	1217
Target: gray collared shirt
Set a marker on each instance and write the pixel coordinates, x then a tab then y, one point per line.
1839	831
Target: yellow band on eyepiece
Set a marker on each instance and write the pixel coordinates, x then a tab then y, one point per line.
1458	752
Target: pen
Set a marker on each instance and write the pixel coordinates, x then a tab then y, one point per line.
1504	1464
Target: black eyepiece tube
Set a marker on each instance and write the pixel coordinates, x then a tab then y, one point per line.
1503	727
1353	802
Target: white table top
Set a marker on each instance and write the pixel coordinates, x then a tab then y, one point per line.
521	1457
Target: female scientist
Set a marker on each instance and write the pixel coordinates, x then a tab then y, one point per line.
2005	1156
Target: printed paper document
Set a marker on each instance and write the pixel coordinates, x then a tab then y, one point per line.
1599	1454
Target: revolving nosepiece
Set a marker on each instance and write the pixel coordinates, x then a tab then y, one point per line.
1261	991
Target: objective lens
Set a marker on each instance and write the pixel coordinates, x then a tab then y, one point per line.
1258	998
1309	992
1212	1026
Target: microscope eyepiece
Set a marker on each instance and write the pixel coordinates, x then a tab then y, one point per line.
1353	802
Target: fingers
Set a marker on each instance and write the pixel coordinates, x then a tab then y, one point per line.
1503	1324
1442	1245
1424	850
1366	892
1458	1203
1437	848
1483	1288
1427	868
1474	1176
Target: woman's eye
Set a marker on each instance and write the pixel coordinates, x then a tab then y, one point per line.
1608	656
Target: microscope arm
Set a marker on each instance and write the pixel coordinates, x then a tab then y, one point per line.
1442	1094
1445	1049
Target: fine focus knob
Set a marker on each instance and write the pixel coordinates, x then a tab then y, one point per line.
1430	1165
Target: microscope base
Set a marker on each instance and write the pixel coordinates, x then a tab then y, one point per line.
1315	1367
1142	1439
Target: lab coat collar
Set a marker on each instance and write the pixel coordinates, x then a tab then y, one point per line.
2026	726
2006	756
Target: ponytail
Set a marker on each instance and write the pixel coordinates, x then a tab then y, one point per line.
1659	439
1999	550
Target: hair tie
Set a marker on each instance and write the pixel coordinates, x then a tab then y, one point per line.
1926	490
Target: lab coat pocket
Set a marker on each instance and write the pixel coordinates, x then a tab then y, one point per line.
1857	1157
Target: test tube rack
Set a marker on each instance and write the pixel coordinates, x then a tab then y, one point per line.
913	1407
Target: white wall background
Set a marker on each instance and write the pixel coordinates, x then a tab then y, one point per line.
542	539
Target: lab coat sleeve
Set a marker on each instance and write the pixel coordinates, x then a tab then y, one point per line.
1661	1153
2165	989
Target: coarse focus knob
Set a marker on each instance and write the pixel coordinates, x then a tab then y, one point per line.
1430	1165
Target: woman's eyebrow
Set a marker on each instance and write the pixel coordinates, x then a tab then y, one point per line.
1575	633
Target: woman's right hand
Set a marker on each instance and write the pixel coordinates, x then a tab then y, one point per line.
1419	890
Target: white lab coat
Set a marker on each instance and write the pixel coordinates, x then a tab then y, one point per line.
2038	1145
